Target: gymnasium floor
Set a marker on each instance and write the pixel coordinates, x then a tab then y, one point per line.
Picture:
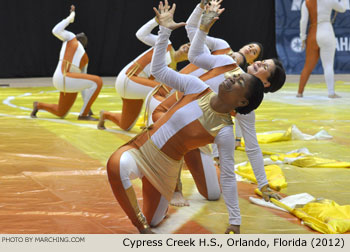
53	177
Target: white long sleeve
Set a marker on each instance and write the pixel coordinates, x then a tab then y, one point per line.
144	33
59	30
215	44
193	21
200	57
183	82
303	21
192	25
247	124
238	131
225	143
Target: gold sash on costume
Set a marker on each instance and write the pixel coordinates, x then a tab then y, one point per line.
130	72
146	114
161	170
65	71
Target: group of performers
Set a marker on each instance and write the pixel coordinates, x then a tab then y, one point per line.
186	111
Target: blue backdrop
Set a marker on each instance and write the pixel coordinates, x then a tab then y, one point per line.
288	43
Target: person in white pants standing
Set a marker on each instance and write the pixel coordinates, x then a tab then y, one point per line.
320	40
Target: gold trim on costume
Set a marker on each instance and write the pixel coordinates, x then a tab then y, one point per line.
130	193
211	120
173	63
146	113
237	70
134	68
65	71
177	95
178	187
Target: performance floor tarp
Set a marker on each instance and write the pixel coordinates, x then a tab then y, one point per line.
53	177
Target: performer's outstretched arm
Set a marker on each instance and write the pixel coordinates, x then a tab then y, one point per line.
59	30
144	33
192	25
247	124
303	23
225	143
182	82
198	55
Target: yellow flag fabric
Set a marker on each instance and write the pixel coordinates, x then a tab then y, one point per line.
273	137
316	162
274	175
292	133
282	157
304	160
325	216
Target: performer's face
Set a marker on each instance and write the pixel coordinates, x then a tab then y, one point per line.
251	52
232	90
262	70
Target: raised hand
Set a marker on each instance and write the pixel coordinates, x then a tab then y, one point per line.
210	15
165	16
72	14
204	3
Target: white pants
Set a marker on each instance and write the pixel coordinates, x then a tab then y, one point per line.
326	41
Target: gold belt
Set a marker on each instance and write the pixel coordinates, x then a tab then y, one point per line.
145	116
65	70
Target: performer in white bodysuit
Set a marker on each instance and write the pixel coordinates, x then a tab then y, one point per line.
269	72
251	52
199	117
320	40
71	75
215	46
273	77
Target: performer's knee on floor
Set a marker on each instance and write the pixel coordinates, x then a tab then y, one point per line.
156	221
158	216
62	114
214	194
127	125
